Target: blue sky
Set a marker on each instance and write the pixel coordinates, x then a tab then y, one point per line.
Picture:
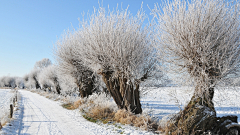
30	28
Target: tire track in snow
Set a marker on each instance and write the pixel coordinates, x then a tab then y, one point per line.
52	128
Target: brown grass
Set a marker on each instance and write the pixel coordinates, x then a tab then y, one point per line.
106	114
68	106
73	106
94	111
4	123
101	113
78	103
142	121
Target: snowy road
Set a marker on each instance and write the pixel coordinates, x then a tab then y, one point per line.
37	115
46	117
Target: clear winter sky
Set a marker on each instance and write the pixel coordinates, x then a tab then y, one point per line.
30	28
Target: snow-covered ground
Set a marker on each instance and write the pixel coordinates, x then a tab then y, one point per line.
5	101
161	102
39	115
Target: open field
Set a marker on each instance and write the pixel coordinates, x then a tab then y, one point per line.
160	102
5	100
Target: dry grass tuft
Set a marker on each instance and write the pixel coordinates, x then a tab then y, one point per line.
78	103
101	113
142	121
73	106
68	106
99	107
124	117
4	122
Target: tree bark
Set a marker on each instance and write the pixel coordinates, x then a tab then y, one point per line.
137	100
85	89
113	87
36	83
57	86
123	93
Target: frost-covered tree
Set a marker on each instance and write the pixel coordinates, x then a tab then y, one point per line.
32	79
202	38
44	83
3	81
117	46
68	85
20	82
49	77
73	67
8	81
45	62
26	79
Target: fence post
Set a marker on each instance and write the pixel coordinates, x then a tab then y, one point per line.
11	110
13	102
16	95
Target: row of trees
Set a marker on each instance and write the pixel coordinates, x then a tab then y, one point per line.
113	46
12	82
200	38
116	52
46	76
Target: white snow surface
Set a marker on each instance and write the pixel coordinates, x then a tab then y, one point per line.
5	101
162	102
38	115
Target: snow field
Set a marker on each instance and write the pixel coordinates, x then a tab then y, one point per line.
6	98
163	102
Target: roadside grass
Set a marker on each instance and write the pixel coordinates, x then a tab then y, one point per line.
68	106
106	115
98	108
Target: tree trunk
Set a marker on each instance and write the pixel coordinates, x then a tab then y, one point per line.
123	93
137	100
197	117
113	87
86	90
57	86
36	83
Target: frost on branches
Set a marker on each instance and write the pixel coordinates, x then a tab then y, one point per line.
48	78
73	67
116	46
